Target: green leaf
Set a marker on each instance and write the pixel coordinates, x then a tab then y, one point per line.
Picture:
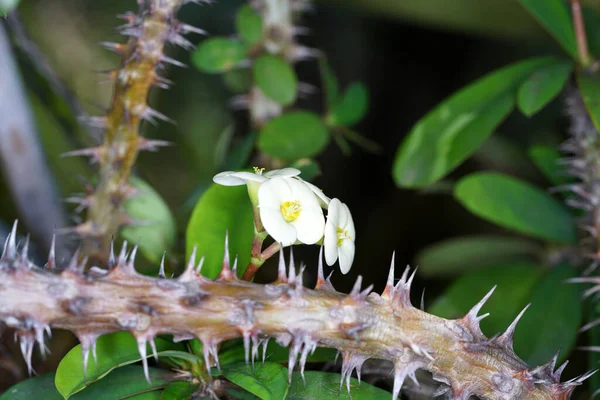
184	355
179	391
591	20
514	282
294	135
515	204
157	232
309	168
453	130
113	351
330	83
249	25
546	158
326	385
218	55
351	108
221	210
589	87
542	86
238	80
552	321
459	255
269	381
276	78
41	387
125	382
554	15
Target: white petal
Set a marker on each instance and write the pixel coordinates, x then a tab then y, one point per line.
334	212
301	192
346	253
274	192
324	199
348	222
330	241
282	173
277	227
232	178
309	225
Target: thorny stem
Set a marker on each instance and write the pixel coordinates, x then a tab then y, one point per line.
580	34
361	325
142	58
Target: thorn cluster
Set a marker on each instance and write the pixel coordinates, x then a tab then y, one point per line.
361	325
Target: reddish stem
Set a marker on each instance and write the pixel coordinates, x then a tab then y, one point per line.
578	23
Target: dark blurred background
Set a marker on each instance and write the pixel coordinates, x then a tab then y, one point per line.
411	54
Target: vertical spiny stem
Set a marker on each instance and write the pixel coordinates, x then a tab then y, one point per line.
580	35
142	58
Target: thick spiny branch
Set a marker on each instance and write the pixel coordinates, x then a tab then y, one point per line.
361	325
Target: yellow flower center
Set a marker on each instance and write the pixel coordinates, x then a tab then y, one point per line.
290	210
257	170
342	234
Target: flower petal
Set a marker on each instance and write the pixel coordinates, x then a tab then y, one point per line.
277	227
330	241
233	178
348	222
324	199
274	192
310	225
282	173
346	254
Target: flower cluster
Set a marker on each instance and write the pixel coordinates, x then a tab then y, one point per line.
291	212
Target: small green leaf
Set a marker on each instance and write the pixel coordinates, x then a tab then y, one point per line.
326	385
351	108
238	80
113	351
553	320
179	391
276	78
458	255
157	232
294	135
546	158
515	204
589	87
41	387
184	355
542	86
452	131
308	167
554	15
218	55
125	382
514	282
221	210
249	25
269	381
330	83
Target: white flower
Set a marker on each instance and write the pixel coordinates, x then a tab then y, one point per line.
290	211
339	236
233	178
324	200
